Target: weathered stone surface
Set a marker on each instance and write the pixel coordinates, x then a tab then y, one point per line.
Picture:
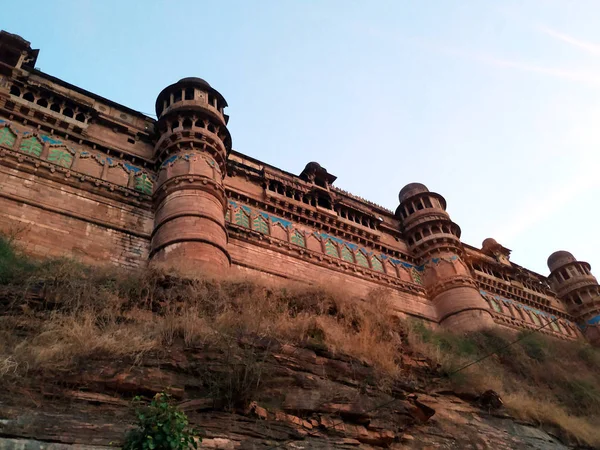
316	411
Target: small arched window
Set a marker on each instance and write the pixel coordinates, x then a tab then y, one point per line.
29	97
14	90
42	102
68	112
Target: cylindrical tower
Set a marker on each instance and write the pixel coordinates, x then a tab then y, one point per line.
189	199
579	291
435	241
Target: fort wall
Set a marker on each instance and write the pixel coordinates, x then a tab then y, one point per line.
85	177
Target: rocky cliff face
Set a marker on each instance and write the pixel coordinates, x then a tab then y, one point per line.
258	394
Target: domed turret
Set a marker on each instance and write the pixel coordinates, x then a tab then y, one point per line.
559	259
411	189
435	241
192	150
579	291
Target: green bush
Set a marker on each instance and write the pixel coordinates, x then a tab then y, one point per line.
13	265
160	426
535	346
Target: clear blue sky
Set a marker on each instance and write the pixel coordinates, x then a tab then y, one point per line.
495	105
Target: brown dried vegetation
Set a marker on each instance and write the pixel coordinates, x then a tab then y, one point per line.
540	379
59	316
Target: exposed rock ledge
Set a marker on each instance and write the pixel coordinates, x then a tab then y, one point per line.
307	400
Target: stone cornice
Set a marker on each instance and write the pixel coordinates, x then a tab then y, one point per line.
193	182
451	283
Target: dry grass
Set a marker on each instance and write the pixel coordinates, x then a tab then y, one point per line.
105	313
101	312
549	382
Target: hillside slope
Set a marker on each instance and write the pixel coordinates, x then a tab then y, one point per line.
258	365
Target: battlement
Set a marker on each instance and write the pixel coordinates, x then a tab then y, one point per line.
83	176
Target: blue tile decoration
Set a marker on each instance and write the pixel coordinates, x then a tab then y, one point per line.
50	140
275	219
325	237
131	168
65	161
169	160
187	157
591	322
497	297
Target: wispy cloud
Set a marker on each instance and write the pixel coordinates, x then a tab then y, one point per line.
536	209
579	76
590	47
586	76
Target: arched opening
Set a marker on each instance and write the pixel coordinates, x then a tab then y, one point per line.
42	102
187	124
55	107
189	93
29	97
211	128
68	112
14	90
174	125
177	97
80	117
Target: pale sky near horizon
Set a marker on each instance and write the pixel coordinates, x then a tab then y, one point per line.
494	105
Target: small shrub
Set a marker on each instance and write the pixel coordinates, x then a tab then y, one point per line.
160	426
13	265
535	346
590	355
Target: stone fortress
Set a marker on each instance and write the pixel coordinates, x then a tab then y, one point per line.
85	177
